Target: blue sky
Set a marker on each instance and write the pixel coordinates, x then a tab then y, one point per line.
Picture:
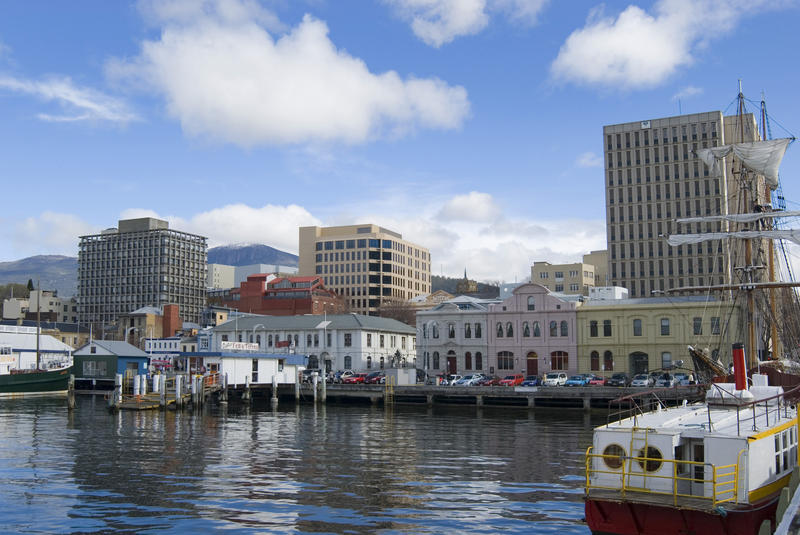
473	127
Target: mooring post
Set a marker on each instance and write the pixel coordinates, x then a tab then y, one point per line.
71	392
324	386
314	380
116	398
223	394
178	394
274	391
195	393
136	385
297	387
246	394
162	391
143	386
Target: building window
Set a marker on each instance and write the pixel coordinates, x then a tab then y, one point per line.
553	328
499	330
435	330
505	360
269	340
564	328
348	362
478	360
593	328
666	360
608	361
509	330
664	326
369	340
477	330
559	360
451	330
467	360
382	362
594	361
467	330
382	340
316	340
714	325
537	330
697	326
369	362
531	303
637	327
348	340
308	340
606	327
435	360
526	329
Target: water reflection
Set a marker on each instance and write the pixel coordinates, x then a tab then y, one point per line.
293	469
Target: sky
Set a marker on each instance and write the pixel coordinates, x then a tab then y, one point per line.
472	127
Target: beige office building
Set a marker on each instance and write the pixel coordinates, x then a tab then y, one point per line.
653	177
574	279
366	265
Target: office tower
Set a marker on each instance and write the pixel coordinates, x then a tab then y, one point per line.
141	263
366	265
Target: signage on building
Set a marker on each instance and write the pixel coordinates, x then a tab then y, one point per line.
282	343
238	346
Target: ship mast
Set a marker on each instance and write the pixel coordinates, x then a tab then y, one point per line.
771	248
38	319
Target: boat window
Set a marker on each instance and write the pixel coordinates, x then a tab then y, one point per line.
652	461
613	455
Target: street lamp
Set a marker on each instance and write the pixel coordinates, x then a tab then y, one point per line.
128	331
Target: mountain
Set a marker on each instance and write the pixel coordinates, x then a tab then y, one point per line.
54	272
247	254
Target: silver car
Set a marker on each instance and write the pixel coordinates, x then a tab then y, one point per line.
642	380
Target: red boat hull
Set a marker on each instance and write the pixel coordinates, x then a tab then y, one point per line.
632	518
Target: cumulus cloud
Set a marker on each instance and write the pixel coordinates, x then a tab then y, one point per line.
47	233
438	22
639	49
227	78
589	159
688	91
77	103
473	206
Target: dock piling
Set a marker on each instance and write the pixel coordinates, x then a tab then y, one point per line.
223	394
246	395
71	392
297	387
274	391
314	380
178	395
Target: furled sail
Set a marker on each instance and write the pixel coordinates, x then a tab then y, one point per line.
740	218
683	239
762	157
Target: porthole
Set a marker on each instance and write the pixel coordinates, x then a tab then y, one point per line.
652	461
613	455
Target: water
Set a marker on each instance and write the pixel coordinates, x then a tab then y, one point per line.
334	469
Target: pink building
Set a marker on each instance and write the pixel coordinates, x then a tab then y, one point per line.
533	332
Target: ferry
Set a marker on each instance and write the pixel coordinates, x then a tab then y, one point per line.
714	467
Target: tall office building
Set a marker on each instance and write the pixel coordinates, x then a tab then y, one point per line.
142	263
652	178
366	265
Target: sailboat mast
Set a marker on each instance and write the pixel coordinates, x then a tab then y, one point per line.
38	319
771	248
748	247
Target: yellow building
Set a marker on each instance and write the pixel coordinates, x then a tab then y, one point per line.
366	265
645	335
573	279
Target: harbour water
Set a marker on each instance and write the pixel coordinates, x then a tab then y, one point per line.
297	469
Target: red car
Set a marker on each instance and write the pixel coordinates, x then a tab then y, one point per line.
355	379
597	381
373	378
512	380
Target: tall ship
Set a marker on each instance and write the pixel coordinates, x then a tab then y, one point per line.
718	466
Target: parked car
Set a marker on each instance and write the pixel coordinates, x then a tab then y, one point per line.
532	380
373	378
307	374
453	379
597	380
666	380
642	380
577	380
512	380
489	381
470	380
619	379
340	376
682	379
356	378
555	379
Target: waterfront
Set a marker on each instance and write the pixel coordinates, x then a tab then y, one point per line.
326	469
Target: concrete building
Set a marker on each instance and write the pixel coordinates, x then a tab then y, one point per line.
652	176
220	276
15	308
142	263
366	265
571	279
650	334
599	260
337	341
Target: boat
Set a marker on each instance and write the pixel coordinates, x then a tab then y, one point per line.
27	383
717	466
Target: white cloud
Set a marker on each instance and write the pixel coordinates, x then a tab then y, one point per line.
226	78
48	233
77	103
688	91
473	206
438	22
589	159
639	49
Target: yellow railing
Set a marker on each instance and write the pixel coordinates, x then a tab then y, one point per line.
724	481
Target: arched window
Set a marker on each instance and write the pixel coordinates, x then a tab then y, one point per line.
553	328
505	360
666	360
537	330
509	330
348	362
435	360
313	362
564	328
531	303
478	330
478	360
369	362
499	330
451	330
467	360
296	340
424	330
308	340
435	330
594	361
467	330
269	340
526	329
258	340
251	339
608	361
382	362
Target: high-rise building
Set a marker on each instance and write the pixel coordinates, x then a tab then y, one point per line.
366	265
141	263
652	177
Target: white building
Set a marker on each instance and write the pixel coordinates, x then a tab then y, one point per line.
15	308
340	341
18	350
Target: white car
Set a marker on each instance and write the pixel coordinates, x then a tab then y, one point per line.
555	379
666	380
469	380
454	379
642	380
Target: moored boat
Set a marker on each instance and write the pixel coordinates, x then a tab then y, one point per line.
25	383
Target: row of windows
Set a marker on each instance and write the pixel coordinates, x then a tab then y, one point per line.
637	327
312	340
556	329
341	245
643	137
